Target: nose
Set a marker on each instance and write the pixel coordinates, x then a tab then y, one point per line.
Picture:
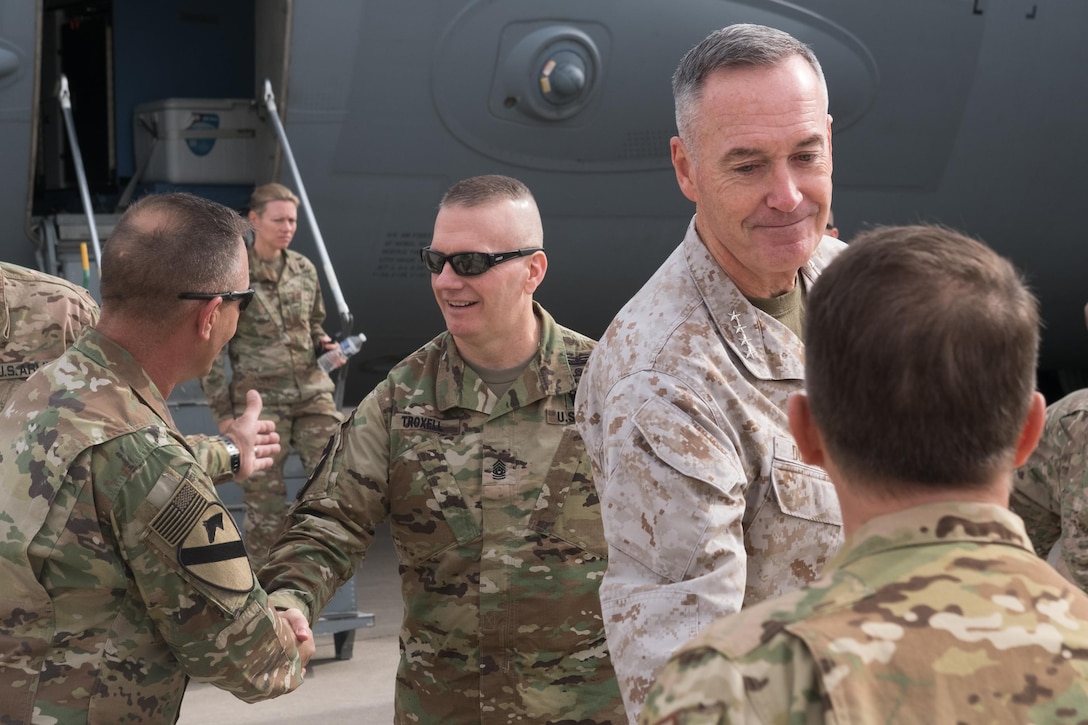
784	194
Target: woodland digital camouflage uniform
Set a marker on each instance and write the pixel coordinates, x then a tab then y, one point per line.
273	352
1051	489
40	316
706	504
123	573
497	531
936	614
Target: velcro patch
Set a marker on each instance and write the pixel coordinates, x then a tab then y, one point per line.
180	513
17	371
560	417
407	421
213	552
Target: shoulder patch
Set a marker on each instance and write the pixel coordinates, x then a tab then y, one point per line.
209	546
213	551
175	519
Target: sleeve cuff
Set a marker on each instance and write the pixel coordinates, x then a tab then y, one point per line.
284	599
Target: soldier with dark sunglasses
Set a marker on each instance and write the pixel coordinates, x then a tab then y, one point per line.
469	450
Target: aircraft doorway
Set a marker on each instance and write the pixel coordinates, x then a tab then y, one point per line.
121	54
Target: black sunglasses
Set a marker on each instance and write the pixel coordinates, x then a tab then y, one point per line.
469	264
244	297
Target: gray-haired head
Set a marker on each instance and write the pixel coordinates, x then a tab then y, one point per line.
734	46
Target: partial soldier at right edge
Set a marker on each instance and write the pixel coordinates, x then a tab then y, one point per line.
1051	489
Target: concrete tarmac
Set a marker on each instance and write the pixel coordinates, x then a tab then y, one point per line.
357	690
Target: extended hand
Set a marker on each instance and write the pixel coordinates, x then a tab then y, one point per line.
304	636
257	439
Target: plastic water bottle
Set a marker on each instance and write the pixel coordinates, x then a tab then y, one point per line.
339	355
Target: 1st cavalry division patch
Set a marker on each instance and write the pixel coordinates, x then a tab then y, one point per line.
209	544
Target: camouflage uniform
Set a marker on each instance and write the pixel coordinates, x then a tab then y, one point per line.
123	573
40	316
497	531
273	352
936	614
706	504
1050	489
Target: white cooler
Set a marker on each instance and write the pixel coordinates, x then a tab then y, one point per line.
196	140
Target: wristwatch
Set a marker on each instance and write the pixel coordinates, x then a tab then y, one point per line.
235	454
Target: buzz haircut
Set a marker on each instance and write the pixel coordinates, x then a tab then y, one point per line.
480	190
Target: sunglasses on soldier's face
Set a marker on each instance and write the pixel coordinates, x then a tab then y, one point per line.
244	297
470	264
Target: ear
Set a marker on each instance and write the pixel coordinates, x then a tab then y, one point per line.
252	217
684	167
805	434
538	267
207	316
1032	430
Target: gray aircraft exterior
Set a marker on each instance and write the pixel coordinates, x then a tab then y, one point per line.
964	112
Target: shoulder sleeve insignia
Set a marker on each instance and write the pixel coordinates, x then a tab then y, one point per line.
213	551
209	546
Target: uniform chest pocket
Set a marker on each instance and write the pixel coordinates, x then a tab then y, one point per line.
569	508
802	491
429	512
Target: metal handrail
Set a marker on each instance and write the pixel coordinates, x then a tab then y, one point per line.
346	318
65	99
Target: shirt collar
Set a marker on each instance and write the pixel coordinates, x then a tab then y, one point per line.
934	523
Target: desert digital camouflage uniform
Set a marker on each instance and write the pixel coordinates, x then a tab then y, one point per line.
1051	489
273	352
936	614
706	504
40	316
123	573
497	531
